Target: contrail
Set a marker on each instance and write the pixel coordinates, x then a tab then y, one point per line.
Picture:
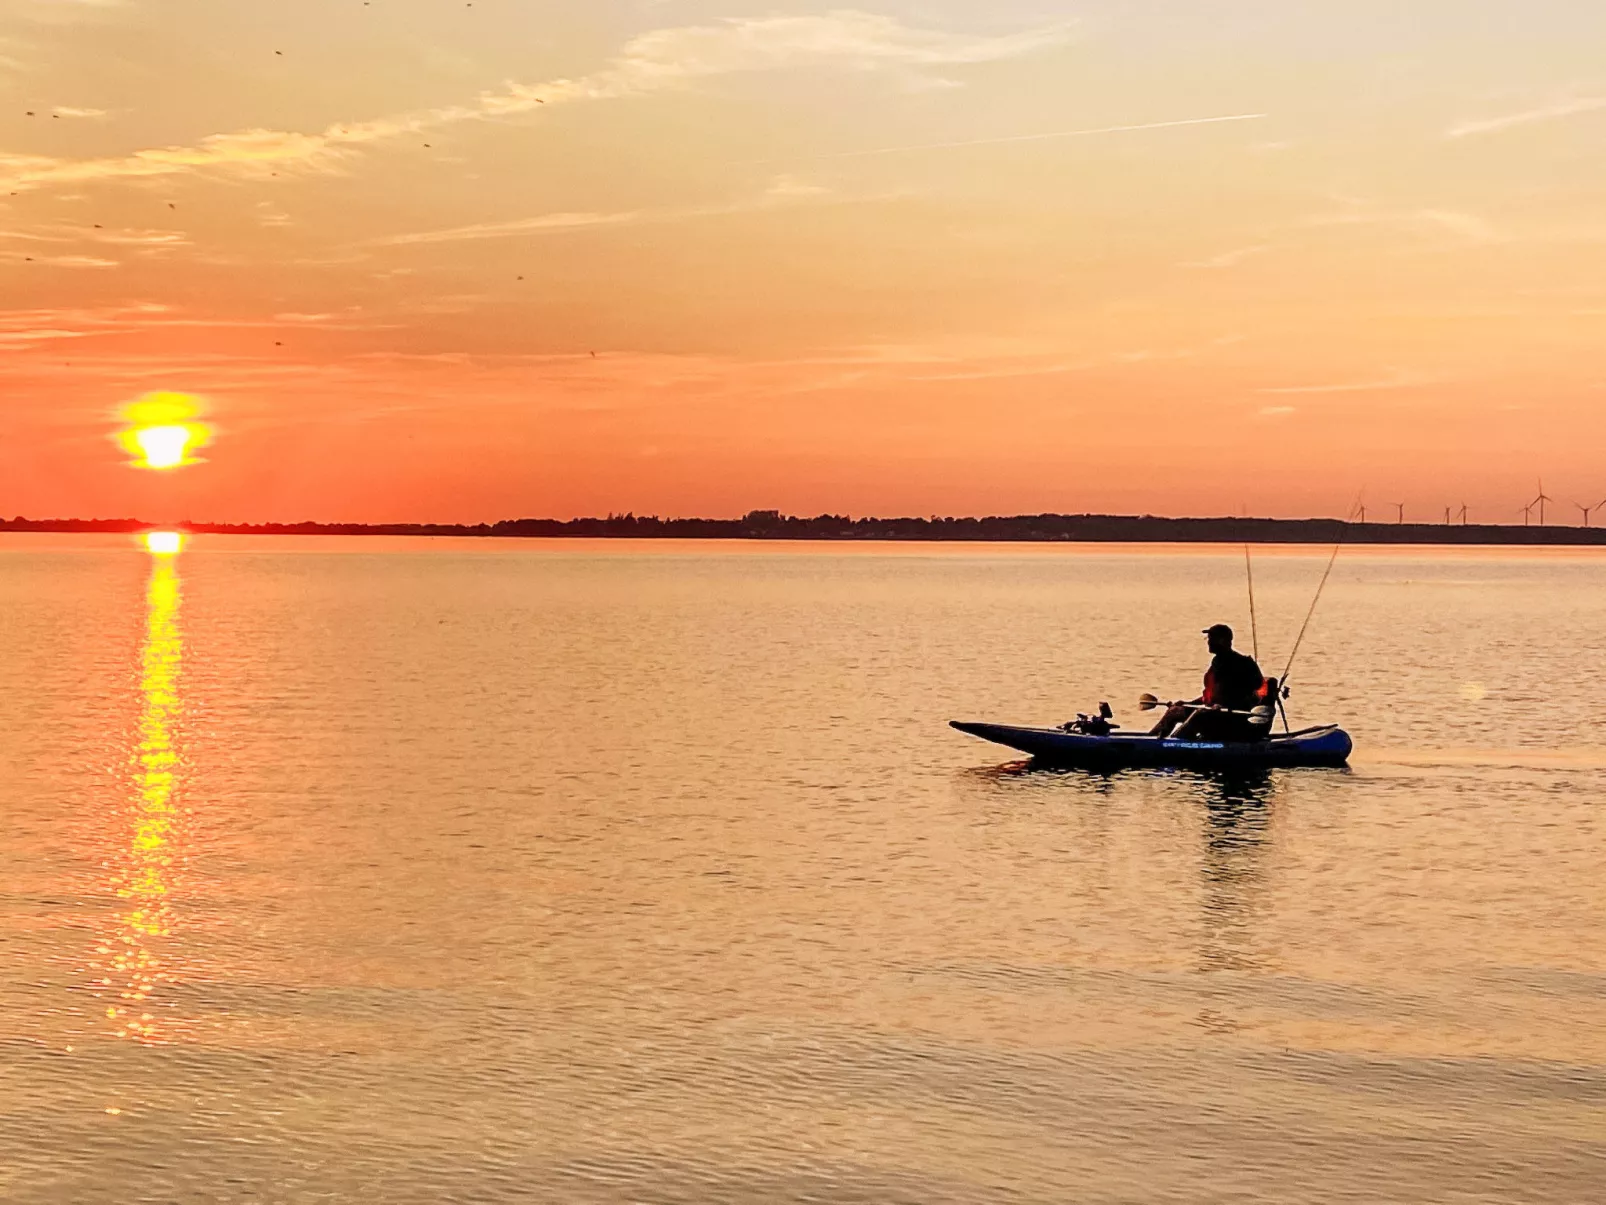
942	146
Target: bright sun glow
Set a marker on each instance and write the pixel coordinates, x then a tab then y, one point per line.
164	543
163	447
163	430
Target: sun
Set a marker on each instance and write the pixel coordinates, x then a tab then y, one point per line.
164	431
164	447
164	543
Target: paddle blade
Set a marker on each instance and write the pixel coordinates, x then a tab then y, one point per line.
1262	716
1147	702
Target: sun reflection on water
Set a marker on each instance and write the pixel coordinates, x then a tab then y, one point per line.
164	543
143	872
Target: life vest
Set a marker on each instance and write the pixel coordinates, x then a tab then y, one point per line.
1212	693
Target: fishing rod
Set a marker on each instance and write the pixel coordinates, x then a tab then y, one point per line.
1282	683
1320	586
1254	629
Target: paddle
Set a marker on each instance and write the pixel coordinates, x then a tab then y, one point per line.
1259	715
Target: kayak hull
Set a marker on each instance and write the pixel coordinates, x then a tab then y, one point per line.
1119	751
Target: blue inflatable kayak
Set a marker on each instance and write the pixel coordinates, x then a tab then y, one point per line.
1325	746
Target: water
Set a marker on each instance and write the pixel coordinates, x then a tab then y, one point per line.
368	870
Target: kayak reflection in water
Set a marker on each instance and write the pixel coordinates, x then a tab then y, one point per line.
1233	686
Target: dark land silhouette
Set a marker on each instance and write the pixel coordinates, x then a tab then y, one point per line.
772	525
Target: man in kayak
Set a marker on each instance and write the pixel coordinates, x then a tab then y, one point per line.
1233	683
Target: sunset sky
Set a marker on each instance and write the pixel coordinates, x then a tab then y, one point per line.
435	260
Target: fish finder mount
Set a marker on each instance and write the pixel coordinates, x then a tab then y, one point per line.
1093	725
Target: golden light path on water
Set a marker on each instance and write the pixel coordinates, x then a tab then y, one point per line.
143	875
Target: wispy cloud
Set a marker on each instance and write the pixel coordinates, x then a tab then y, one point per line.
58	261
53	11
27	337
542	223
783	192
296	318
245	151
146	242
269	214
1551	112
136	238
28	326
81	318
1467	226
653	62
1400	380
985	360
844	37
1230	259
1045	136
786	187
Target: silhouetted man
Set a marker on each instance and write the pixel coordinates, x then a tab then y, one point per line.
1232	683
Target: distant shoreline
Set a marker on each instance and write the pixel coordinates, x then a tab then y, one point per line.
770	525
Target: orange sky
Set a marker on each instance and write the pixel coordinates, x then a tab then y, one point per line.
936	258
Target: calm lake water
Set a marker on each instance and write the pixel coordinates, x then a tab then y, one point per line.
391	871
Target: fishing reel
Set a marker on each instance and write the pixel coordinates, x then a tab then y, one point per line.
1276	692
1262	714
1093	725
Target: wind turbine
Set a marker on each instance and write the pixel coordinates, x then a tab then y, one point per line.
1589	510
1463	514
1526	512
1400	506
1447	516
1540	502
1362	508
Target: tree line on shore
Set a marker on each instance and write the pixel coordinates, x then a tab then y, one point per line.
773	525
